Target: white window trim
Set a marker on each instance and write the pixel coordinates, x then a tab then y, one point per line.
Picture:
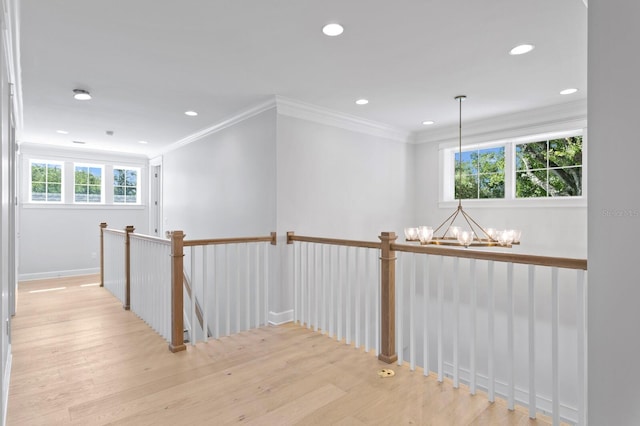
62	181
102	171
447	153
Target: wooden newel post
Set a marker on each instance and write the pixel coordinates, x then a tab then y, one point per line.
127	267
388	299
177	264
103	226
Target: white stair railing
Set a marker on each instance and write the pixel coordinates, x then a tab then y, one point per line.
229	280
151	281
113	255
511	325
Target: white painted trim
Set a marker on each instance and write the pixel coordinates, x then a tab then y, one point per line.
279	318
11	29
305	111
5	384
228	122
58	274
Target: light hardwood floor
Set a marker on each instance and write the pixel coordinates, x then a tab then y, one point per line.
79	358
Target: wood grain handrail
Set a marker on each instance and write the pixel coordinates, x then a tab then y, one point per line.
232	240
291	237
525	259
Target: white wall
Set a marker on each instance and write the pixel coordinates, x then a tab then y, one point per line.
339	183
59	240
614	212
223	185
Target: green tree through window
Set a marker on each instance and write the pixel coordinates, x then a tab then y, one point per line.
125	185
88	184
550	168
46	182
480	174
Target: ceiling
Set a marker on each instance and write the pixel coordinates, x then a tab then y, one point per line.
146	62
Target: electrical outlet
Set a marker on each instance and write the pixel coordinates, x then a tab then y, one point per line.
94	255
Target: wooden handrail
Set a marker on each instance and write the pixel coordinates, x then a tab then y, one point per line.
291	237
525	259
238	240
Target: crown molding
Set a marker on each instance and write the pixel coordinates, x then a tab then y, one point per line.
547	119
296	109
228	122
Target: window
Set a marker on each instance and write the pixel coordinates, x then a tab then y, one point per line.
88	184
480	173
125	185
543	166
551	168
46	181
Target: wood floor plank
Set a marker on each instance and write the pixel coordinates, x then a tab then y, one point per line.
80	359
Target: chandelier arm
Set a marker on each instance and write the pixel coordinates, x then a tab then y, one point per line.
468	217
469	221
453	217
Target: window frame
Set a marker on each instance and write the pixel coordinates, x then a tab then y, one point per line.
33	161
102	183
448	177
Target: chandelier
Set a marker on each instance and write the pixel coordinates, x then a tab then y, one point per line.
474	235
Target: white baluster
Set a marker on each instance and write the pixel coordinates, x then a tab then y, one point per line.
473	305
456	322
412	312
491	306
193	333
510	339
400	309
532	343
348	284
227	289
440	316
581	329
425	315
555	344
357	291
205	284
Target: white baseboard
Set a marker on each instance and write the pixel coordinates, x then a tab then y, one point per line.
57	274
278	318
543	404
5	384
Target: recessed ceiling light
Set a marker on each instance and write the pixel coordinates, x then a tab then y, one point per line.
568	91
362	101
332	30
522	49
143	142
62	132
191	113
81	95
428	122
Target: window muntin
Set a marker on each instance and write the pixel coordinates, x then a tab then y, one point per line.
555	171
550	168
479	173
125	185
88	184
46	181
